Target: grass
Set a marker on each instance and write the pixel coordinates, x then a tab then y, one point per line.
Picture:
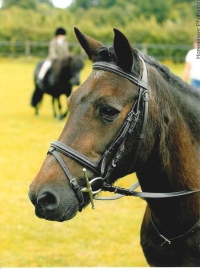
107	236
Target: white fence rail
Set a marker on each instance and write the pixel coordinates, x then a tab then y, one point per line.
174	52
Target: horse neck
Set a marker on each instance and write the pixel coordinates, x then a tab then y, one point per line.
172	164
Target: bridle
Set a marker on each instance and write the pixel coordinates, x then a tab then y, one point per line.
118	145
116	150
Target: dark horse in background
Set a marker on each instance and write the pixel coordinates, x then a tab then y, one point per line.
59	79
108	132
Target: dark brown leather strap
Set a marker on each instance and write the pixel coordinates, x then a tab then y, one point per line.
75	186
144	195
120	72
75	155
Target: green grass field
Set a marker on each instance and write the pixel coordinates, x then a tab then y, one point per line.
107	236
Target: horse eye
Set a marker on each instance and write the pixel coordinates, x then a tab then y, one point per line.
108	113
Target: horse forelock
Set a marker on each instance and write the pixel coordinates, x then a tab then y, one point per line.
106	54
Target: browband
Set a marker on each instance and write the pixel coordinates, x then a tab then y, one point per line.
118	71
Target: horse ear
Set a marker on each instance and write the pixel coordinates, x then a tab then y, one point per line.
90	45
127	57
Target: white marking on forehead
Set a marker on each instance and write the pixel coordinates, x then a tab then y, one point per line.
104	73
98	74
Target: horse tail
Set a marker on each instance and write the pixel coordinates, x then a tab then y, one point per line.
36	97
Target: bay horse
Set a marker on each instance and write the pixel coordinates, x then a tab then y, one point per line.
130	115
59	79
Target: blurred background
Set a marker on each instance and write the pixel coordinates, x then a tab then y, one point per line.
109	235
164	29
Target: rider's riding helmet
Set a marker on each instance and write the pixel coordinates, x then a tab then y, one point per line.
60	31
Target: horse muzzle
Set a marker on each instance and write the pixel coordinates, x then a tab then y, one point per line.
63	204
54	205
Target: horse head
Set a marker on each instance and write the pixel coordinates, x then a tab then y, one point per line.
109	134
106	126
67	69
98	109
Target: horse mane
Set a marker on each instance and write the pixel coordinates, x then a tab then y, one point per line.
186	96
180	133
170	77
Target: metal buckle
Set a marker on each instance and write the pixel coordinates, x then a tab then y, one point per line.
89	187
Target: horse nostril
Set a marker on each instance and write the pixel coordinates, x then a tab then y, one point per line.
48	200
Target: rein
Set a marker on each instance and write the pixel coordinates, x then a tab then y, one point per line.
166	240
101	168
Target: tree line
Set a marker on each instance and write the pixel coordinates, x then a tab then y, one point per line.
157	22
